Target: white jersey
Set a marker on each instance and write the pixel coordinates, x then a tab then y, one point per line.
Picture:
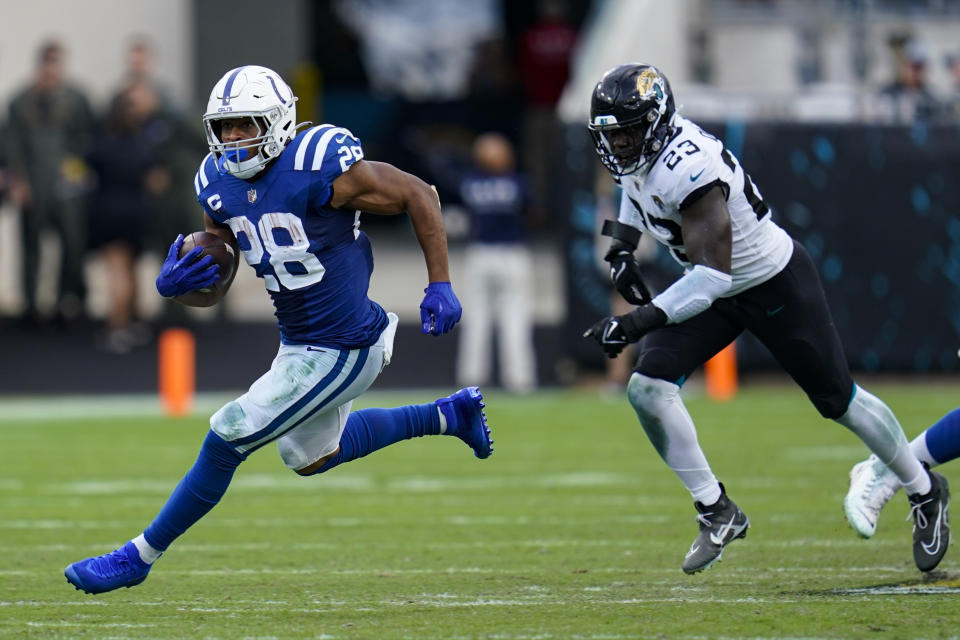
692	163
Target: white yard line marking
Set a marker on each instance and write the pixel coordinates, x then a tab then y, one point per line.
753	573
106	625
47	603
340	481
426	600
243	482
897	590
65	524
20	411
282	522
550	636
436	484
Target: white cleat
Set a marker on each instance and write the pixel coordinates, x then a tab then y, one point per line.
872	484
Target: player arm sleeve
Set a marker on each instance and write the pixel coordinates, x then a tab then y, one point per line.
707	242
693	293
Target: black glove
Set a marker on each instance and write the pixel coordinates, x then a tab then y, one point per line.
625	273
614	333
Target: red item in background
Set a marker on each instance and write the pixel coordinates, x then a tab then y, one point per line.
545	52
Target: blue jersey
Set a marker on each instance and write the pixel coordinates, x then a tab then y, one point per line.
496	203
313	259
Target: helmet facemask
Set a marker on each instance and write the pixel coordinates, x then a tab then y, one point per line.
627	148
244	158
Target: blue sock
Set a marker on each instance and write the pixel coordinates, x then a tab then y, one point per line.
370	429
198	492
943	438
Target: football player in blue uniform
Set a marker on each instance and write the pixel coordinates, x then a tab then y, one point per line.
290	202
742	273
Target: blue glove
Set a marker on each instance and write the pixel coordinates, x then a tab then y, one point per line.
440	309
182	275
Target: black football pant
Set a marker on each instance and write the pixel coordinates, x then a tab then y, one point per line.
787	313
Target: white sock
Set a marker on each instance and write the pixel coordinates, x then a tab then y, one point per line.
871	419
919	448
706	493
147	553
443	421
919	485
671	431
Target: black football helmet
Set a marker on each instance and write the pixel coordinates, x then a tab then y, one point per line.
630	114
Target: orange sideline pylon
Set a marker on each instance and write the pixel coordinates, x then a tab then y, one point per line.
177	353
721	373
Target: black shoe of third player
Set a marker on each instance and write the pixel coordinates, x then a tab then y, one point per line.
931	524
720	524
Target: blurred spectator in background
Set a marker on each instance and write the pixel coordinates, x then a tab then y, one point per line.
492	78
4	175
177	143
127	159
140	59
440	66
908	98
952	103
181	141
420	50
49	129
499	270
545	50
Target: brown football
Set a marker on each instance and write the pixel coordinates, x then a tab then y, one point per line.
223	257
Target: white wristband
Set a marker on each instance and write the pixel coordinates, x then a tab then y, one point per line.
693	293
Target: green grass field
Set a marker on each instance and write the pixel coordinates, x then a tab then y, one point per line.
573	529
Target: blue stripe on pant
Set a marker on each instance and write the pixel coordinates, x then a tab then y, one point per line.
285	421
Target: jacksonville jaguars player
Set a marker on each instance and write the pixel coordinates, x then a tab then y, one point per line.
742	272
290	202
873	483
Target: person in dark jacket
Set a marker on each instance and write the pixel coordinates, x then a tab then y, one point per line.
129	161
49	128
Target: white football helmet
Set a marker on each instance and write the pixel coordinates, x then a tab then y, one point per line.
258	93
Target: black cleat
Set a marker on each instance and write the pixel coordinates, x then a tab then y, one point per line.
931	523
720	524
